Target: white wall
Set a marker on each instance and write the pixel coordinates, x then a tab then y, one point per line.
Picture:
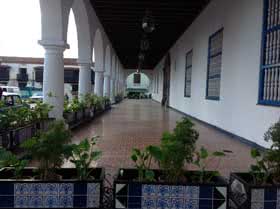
237	111
144	82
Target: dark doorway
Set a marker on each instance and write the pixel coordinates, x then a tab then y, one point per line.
166	81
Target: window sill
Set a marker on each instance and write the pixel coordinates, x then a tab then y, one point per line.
269	103
213	98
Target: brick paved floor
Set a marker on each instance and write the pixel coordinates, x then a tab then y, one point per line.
138	123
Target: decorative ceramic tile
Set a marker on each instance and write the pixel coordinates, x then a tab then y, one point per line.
93	201
177	191
66	201
270	194
163	191
278	194
257	195
36	201
191	192
36	189
206	192
163	203
192	204
93	188
51	189
278	204
257	205
149	203
177	203
93	192
149	190
21	188
21	202
66	189
51	202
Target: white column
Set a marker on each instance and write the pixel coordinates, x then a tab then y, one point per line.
84	78
53	77
107	85
112	89
98	82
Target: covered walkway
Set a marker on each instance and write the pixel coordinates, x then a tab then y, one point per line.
138	123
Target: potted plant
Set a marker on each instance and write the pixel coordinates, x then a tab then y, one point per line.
41	115
259	188
49	185
89	106
171	186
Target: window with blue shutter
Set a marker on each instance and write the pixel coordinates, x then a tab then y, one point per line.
188	74
215	53
269	92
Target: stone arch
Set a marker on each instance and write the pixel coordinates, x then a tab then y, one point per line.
83	31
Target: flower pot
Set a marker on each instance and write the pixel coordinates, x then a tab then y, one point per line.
66	193
245	195
129	193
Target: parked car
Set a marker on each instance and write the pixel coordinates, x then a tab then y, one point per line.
11	99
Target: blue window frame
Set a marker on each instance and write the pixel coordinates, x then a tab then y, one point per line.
215	52
188	74
269	87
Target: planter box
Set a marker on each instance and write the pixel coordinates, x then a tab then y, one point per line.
79	115
5	139
69	117
66	193
244	195
19	135
129	193
44	124
87	113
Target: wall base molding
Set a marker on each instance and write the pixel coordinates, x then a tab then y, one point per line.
229	134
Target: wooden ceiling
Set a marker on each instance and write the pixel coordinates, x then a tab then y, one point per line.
122	21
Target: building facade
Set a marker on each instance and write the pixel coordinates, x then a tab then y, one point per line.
217	68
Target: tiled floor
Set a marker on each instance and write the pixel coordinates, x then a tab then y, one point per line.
138	123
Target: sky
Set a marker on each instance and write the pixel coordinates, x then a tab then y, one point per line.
20	22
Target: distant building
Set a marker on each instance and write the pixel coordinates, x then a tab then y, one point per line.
27	72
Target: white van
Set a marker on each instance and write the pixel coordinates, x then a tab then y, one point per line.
11	89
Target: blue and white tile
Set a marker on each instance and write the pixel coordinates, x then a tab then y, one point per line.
149	203
51	201
257	205
257	195
36	189
36	201
192	204
278	205
163	203
177	203
163	191
149	190
66	189
278	194
93	189
66	201
21	201
192	193
177	191
93	201
51	189
21	188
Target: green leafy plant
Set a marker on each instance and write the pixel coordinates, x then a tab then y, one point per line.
143	160
202	158
83	154
41	111
9	161
260	171
50	149
176	150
